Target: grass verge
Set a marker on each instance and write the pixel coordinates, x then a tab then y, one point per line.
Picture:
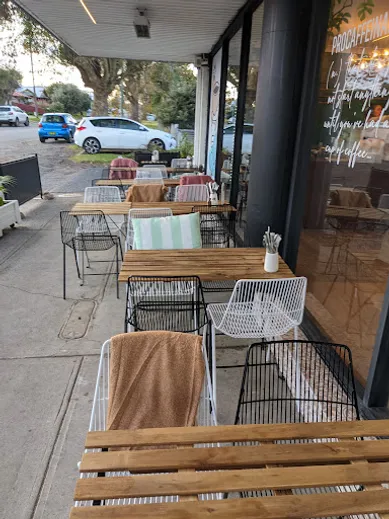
80	157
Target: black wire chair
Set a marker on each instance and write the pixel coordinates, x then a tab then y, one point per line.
217	228
85	233
165	303
294	382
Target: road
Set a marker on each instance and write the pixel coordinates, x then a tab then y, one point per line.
58	173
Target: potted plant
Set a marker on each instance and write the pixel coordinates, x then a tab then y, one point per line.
9	209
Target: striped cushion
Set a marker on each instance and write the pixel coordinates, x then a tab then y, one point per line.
171	232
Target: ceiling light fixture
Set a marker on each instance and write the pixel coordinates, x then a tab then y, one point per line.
141	23
88	12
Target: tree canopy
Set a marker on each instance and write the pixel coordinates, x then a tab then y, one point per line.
10	79
68	98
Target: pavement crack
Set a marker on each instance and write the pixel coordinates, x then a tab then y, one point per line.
35	293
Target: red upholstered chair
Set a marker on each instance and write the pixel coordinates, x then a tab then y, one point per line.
120	162
189	180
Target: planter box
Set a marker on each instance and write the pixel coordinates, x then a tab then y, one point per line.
9	214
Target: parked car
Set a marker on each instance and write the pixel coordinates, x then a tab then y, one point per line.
118	133
151	117
229	136
13	116
57	126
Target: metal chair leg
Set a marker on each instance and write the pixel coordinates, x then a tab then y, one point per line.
82	268
117	270
76	260
64	271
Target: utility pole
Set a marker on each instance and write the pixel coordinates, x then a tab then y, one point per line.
121	98
33	83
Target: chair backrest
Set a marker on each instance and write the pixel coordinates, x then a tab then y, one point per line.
143	213
383	202
170	303
187	180
87	231
158	167
148	181
264	308
297	381
217	226
149	173
179	163
343	219
102	194
172	232
192	193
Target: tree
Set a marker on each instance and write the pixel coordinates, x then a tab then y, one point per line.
99	74
10	79
66	97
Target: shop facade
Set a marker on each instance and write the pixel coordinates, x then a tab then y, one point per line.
298	129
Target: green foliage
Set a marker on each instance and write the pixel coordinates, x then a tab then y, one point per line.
186	147
174	98
5	181
10	79
68	98
340	14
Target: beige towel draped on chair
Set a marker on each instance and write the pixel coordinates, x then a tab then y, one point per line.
156	380
146	193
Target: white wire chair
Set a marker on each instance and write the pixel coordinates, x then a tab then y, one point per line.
383	202
258	309
192	193
143	213
148	181
102	194
179	163
156	167
149	173
107	194
205	417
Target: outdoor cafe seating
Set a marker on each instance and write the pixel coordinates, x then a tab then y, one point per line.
161	375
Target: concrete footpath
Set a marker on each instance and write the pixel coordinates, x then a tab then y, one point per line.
48	363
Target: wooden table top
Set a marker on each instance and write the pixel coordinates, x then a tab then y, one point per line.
168	182
364	213
187	471
122	208
208	264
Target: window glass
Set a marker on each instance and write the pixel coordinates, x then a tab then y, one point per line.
249	112
104	123
53	119
231	98
128	125
344	245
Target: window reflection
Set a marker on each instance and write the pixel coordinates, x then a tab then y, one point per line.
344	247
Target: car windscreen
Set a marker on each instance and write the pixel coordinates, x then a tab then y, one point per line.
53	119
4	109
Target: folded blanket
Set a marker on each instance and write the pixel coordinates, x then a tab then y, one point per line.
146	193
195	179
350	198
155	380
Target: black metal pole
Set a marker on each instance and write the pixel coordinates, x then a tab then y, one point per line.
241	105
284	39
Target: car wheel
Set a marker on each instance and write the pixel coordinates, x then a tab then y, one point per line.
42	139
157	143
91	146
27	122
16	123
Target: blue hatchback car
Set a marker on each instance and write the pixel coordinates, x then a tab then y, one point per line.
57	126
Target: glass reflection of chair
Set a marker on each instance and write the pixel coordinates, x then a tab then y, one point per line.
383	202
344	222
374	193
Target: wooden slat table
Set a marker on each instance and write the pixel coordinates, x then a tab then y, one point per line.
208	264
187	472
168	182
122	208
144	166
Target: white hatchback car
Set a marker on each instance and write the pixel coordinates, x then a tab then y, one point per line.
117	133
13	116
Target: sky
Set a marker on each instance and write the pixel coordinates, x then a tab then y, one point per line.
45	71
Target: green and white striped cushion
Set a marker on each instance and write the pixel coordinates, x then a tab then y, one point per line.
170	232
